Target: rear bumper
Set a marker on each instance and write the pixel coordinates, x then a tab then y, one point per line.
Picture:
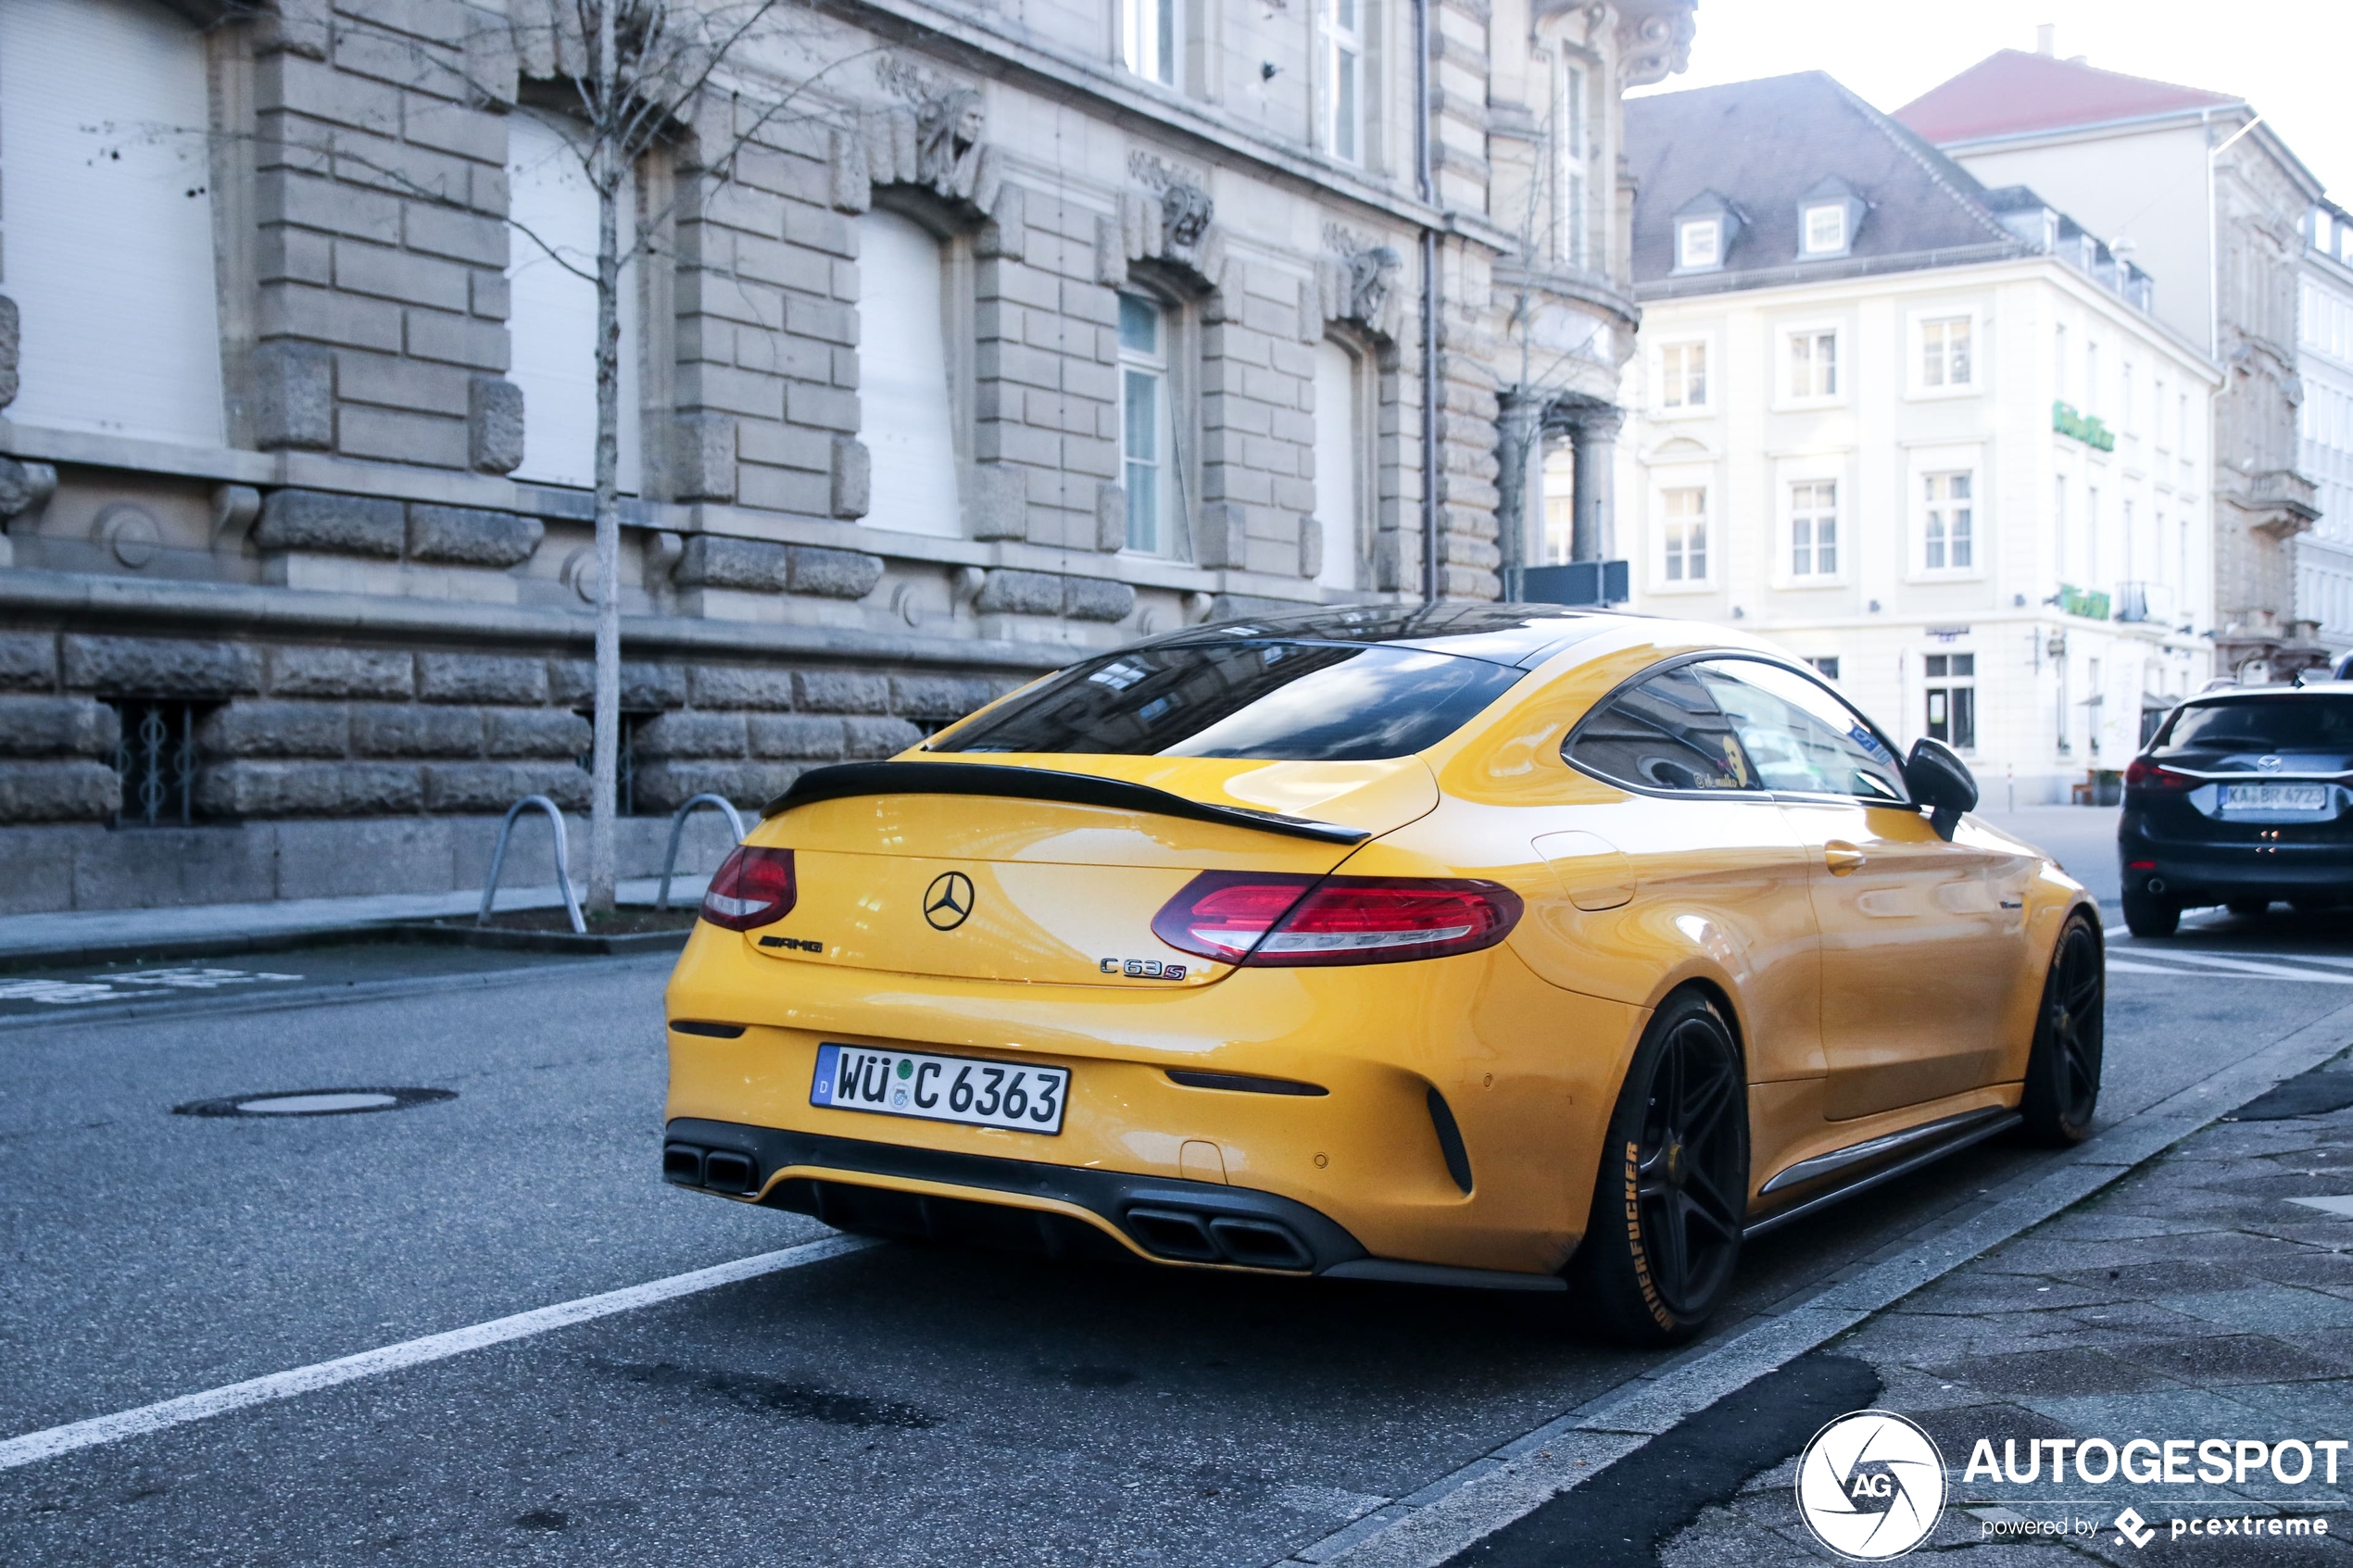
2193	873
1030	1206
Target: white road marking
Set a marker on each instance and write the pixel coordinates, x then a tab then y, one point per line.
2226	969
34	1447
2340	1205
100	988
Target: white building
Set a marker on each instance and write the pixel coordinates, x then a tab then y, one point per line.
2324	362
1928	435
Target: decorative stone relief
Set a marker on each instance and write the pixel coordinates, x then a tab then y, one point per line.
1171	221
1654	41
936	138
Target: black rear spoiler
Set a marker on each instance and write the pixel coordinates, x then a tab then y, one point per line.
849	778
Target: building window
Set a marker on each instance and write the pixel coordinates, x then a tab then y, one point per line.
2156	416
1812	528
2058	363
106	156
1574	156
1825	665
1340	462
1951	700
1699	244
1146	423
156	761
2093	402
1825	228
551	318
1683	375
907	405
2092	536
1813	364
2058	523
1948	541
1148	36
1945	353
2125	402
1560	506
1343	78
1686	511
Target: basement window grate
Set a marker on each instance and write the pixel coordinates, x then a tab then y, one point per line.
156	760
624	765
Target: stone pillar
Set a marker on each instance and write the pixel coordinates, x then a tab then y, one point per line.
1519	506
1595	435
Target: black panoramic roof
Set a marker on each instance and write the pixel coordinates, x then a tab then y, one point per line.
1501	633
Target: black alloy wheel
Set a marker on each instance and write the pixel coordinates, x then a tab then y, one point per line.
1672	1196
2063	1069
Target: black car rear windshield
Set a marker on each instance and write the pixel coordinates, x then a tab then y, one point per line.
2277	723
1277	700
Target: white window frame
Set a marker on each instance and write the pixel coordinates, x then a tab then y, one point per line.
1665	377
1917	334
1689	230
1571	105
1931	465
1160	366
1673	546
1806	475
1944	685
1344	56
1785	365
1837	241
1151	41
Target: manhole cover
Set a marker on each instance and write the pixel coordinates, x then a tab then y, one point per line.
313	1102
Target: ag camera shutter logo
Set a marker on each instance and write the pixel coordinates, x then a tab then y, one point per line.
1870	1485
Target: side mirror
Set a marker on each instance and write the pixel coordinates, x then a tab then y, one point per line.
1942	781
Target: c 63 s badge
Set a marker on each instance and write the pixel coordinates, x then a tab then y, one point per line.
1142	969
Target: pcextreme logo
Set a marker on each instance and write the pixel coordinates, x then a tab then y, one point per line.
1870	1485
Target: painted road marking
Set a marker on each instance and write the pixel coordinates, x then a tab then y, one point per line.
101	988
34	1447
2220	968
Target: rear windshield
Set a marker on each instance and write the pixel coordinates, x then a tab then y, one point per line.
1280	701
2280	724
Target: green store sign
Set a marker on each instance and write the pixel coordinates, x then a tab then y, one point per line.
2083	426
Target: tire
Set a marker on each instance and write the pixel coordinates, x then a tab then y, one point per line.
2147	915
1671	1197
2248	907
2063	1069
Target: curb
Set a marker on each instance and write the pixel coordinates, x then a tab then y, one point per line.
1433	1525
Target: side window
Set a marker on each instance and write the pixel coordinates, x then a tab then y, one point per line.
1797	736
1666	734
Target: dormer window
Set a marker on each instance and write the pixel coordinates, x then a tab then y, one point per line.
1699	244
1827	217
1705	230
1825	229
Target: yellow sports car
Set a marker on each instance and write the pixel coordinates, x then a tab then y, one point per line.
1496	946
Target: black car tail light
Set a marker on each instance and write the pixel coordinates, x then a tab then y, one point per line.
751	888
2142	774
1296	921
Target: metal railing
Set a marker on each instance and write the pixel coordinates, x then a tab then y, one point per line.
563	869
678	826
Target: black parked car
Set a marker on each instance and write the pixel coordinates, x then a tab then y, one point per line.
2244	797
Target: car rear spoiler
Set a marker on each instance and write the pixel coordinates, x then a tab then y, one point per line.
846	779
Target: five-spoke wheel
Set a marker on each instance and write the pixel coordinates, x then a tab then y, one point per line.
2063	1069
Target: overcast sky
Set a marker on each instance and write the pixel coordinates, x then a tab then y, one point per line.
2293	60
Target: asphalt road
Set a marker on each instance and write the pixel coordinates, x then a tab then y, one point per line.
900	1405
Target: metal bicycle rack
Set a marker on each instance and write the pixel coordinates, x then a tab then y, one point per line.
563	869
678	826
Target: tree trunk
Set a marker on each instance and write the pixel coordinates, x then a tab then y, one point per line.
1516	426
605	174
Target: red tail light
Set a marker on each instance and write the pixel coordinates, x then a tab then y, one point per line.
2142	774
752	888
1270	921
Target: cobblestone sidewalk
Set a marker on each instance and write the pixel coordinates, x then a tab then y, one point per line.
2195	1299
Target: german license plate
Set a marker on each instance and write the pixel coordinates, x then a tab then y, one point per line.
2275	797
940	1088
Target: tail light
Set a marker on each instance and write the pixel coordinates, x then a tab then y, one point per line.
1269	921
752	888
2142	774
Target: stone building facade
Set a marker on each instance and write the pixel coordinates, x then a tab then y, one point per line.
2324	363
968	338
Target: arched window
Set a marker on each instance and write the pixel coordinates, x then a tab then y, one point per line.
105	218
1340	462
908	417
551	321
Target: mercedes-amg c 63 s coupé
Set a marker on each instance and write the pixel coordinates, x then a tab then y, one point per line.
1497	945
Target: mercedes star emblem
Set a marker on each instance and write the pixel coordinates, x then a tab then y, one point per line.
947	902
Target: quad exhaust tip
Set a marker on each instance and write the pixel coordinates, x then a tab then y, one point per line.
1193	1238
718	1170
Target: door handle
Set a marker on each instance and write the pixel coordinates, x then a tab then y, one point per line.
1840	857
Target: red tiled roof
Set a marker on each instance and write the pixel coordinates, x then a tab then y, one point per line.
2013	92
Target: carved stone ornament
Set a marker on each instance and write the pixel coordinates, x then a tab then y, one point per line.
1184	211
1372	274
949	152
1654	41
